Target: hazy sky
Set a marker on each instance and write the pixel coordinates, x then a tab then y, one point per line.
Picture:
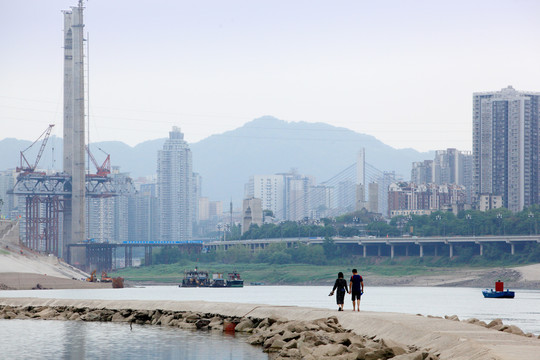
402	71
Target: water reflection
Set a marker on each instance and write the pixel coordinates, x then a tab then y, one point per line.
50	339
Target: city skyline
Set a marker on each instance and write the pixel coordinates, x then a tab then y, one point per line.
210	68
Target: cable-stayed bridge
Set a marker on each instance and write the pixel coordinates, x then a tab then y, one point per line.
337	195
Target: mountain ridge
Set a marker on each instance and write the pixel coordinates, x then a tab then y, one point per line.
265	145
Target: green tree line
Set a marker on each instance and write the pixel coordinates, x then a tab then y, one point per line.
362	223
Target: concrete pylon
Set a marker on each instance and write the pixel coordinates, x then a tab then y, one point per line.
74	126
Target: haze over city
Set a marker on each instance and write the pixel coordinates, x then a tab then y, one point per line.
403	72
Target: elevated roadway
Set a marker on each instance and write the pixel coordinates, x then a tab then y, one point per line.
391	242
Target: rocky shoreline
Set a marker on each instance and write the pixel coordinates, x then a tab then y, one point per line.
321	338
291	332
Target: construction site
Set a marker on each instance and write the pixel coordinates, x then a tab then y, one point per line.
56	205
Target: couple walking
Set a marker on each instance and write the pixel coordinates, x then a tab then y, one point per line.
356	289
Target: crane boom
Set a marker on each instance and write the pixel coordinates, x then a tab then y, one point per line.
105	168
30	168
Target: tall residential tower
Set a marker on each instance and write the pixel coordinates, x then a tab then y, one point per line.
175	188
505	146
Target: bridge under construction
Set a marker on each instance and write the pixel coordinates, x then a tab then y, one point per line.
55	203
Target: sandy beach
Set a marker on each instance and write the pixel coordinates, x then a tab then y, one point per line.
23	269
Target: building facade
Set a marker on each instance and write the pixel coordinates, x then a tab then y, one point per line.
8	202
175	188
506	146
408	197
251	213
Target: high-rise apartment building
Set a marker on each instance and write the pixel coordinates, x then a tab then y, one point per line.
384	181
506	146
287	195
271	190
296	199
373	198
143	214
422	172
175	188
107	218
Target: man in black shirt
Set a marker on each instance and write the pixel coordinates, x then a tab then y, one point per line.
356	288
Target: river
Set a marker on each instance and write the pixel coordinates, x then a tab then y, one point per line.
522	311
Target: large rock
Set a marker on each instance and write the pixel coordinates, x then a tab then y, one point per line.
495	322
91	316
397	349
277	345
46	313
10	315
288	336
329	350
245	325
514	330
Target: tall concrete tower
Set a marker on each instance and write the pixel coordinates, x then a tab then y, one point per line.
74	144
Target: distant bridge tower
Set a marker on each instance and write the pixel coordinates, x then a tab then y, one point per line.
361	180
74	133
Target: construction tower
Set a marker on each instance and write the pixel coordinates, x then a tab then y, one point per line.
74	128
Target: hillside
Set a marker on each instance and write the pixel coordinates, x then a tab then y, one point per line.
263	146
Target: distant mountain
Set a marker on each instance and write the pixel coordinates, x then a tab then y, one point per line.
263	146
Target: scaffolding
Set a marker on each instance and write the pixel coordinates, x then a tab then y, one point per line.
45	199
43	223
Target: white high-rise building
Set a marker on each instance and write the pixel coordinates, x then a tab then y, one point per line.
175	188
271	190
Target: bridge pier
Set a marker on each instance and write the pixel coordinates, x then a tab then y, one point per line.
379	250
481	248
391	251
147	255
451	250
365	250
435	249
406	250
421	250
512	248
128	256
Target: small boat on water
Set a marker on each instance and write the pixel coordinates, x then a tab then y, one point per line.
195	278
235	280
499	292
218	280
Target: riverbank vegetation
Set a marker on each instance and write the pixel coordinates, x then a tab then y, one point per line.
302	263
362	223
319	264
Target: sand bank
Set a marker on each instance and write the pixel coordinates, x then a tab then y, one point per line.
28	281
450	339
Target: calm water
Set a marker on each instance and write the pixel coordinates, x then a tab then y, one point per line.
39	339
523	311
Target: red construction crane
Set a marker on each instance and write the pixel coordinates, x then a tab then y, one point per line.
105	168
30	168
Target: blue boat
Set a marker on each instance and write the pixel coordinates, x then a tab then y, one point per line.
505	294
499	292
